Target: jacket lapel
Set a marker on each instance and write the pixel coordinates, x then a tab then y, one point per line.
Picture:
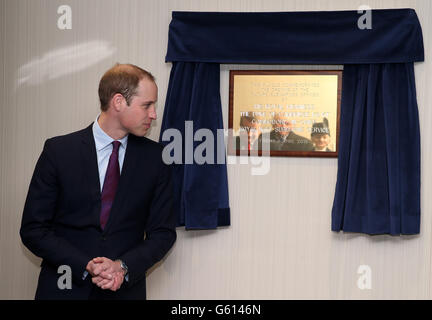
89	162
91	171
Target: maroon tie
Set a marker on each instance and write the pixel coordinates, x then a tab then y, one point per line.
112	178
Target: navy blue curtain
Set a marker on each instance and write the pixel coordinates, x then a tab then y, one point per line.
378	185
201	191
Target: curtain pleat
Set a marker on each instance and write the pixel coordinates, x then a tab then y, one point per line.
378	185
201	190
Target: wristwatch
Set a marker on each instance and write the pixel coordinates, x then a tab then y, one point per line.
124	267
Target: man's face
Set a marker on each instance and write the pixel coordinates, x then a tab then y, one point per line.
138	116
282	125
253	130
321	140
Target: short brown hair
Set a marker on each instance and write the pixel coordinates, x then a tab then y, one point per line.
123	79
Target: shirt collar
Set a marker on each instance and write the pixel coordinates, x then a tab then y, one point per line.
102	140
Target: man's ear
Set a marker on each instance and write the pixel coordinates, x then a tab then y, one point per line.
118	101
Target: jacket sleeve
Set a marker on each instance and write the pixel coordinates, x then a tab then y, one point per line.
37	232
160	230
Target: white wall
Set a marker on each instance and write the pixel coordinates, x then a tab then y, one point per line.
279	245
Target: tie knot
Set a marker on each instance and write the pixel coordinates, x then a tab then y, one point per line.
116	146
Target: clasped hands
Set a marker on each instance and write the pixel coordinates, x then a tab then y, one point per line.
106	273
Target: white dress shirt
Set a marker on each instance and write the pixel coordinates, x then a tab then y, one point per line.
104	149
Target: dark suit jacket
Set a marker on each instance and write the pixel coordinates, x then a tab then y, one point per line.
60	222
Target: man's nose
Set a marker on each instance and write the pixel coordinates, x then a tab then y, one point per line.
153	114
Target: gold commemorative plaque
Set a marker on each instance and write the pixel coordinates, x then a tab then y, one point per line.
284	113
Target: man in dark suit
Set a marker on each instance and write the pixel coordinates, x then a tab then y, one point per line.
250	137
283	138
100	199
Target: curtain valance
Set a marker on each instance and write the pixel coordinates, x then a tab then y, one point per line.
321	37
